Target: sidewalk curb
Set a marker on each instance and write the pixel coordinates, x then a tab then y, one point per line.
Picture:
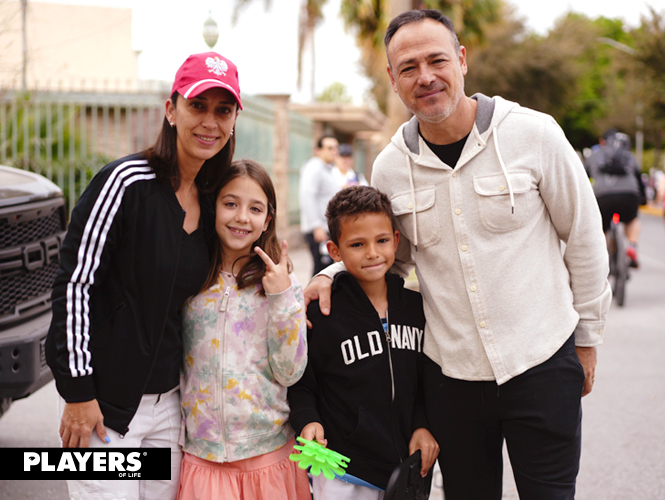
646	209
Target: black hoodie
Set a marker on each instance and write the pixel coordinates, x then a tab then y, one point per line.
365	392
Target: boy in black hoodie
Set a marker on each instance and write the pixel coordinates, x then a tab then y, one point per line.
361	392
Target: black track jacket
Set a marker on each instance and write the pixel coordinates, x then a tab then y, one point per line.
365	392
110	297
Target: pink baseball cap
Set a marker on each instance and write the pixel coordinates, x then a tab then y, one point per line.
208	70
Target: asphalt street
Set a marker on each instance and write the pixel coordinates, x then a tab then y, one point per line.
623	449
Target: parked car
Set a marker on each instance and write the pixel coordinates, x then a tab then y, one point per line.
33	222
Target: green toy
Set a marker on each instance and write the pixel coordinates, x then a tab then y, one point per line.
319	458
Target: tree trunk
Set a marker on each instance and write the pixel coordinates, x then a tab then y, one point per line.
397	113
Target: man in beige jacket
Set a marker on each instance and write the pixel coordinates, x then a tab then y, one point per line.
500	221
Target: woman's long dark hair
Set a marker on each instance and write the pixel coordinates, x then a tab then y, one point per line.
253	270
163	158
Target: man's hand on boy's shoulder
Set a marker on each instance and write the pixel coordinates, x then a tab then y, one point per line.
312	313
422	440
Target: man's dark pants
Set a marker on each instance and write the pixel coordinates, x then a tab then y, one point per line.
539	414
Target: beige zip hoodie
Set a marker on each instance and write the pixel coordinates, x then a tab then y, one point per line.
508	246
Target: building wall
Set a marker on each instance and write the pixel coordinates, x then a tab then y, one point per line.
69	47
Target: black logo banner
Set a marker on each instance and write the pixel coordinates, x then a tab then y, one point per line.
85	463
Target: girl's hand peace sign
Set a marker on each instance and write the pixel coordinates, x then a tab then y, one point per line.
276	279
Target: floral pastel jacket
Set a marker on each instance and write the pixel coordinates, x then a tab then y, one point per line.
241	352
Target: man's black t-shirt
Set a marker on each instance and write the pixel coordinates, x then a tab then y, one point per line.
448	153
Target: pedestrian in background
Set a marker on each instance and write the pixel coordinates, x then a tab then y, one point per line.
660	191
618	186
317	186
138	245
344	173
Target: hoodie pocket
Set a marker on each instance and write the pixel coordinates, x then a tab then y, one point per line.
494	204
428	224
250	403
374	436
201	406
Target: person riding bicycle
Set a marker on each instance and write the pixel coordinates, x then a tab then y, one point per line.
618	186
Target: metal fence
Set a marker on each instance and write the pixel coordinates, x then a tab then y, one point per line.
69	136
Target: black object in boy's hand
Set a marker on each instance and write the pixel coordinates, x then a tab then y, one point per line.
406	483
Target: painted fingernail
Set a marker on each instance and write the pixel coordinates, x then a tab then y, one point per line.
107	439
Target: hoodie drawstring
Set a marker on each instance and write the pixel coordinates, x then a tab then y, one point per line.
413	189
505	171
413	203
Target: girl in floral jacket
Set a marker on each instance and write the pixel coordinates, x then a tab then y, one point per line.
244	344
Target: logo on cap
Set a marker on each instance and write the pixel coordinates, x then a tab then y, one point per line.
217	66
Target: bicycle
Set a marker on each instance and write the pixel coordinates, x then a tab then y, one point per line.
619	261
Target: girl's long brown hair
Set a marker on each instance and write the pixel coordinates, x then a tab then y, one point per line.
252	272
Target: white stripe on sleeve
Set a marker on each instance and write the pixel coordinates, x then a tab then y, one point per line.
89	255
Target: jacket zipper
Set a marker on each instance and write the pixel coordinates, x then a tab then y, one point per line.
222	309
154	359
392	383
390	358
225	300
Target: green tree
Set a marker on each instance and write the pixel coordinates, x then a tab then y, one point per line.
471	17
538	72
47	138
584	84
24	133
649	41
592	71
368	19
335	92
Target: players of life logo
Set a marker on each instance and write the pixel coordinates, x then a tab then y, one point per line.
84	463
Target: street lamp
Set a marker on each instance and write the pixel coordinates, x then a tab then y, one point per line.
618	45
639	135
24	22
210	31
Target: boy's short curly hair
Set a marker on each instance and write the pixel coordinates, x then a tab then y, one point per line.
354	201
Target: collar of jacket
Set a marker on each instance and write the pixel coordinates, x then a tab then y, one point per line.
411	131
356	298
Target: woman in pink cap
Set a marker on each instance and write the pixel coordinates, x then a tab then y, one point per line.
138	245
